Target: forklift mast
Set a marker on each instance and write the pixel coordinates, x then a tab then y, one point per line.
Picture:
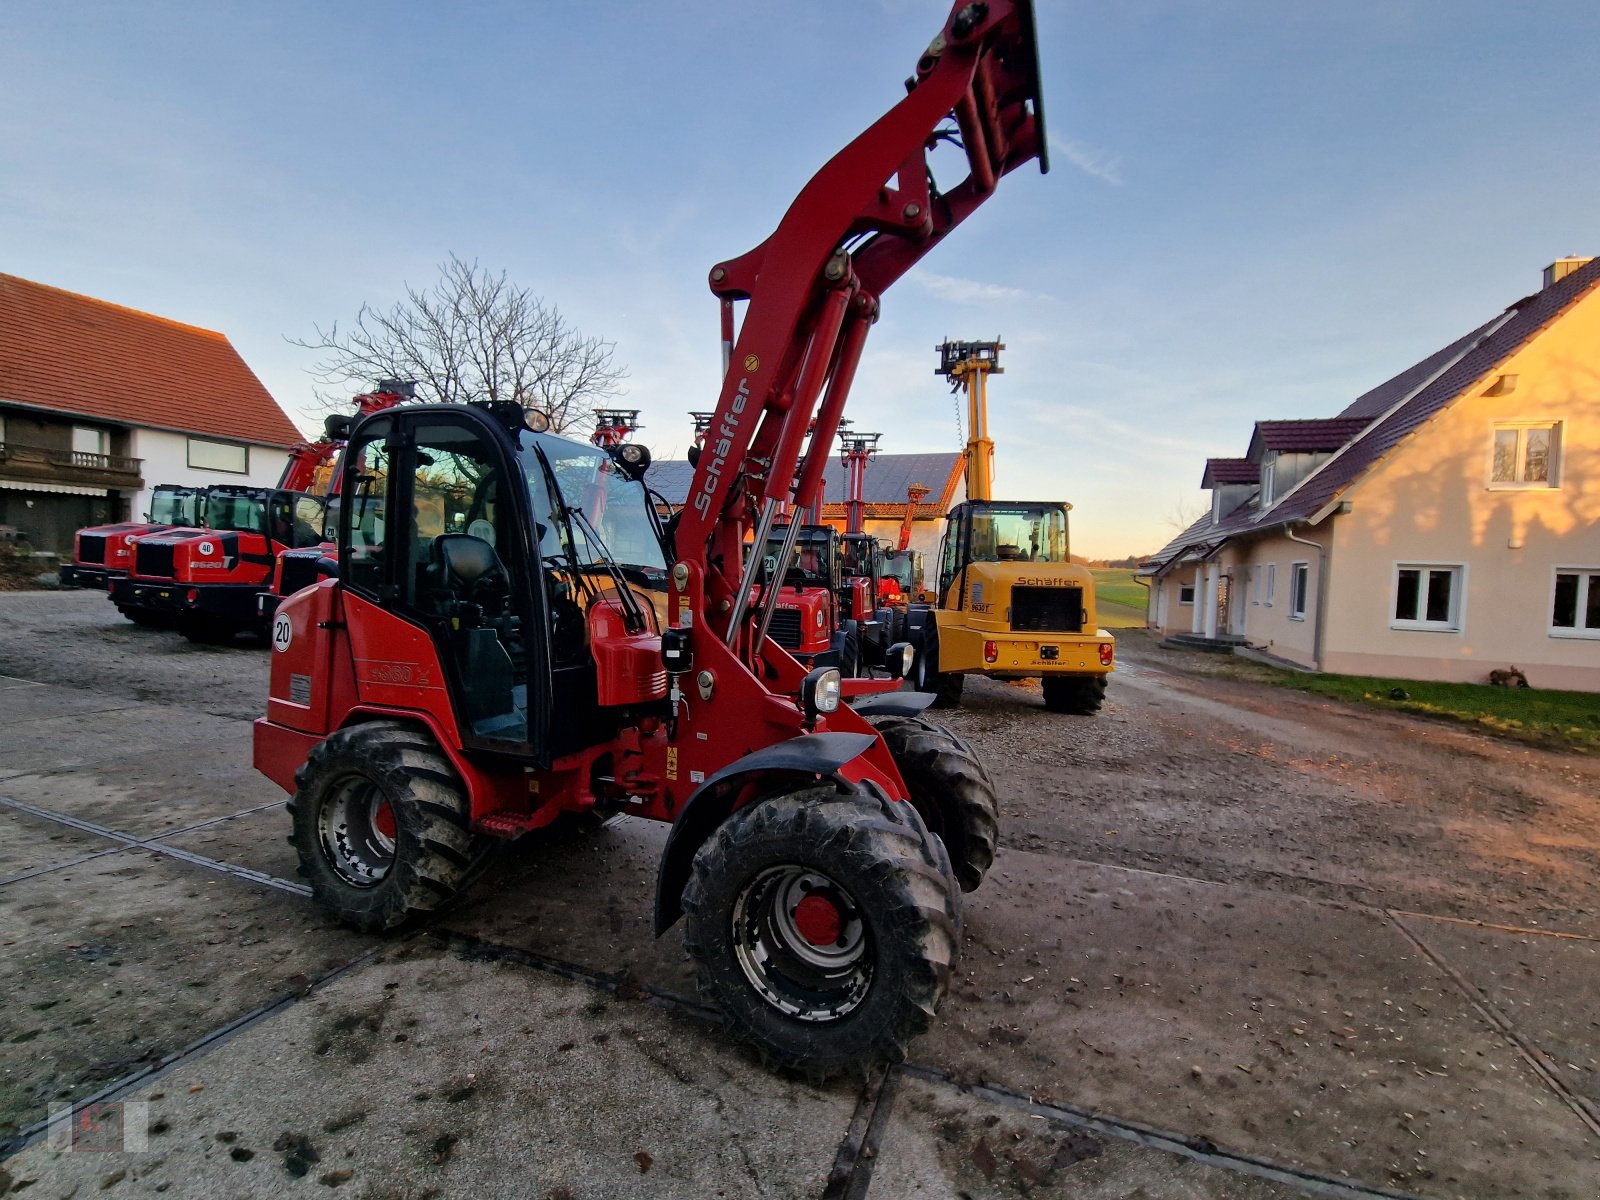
857	450
812	290
968	366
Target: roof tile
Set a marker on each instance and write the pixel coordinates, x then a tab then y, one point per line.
74	354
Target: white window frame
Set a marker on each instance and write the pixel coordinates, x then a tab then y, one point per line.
91	439
1269	589
1269	471
1557	446
1186	587
1299	589
1457	620
1573	631
212	443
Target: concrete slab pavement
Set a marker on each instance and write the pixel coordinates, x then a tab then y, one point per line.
114	736
29	843
423	1075
108	965
162	781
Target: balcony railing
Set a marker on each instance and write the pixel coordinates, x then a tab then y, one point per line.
48	464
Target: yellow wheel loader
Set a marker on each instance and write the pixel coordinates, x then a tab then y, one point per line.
1010	603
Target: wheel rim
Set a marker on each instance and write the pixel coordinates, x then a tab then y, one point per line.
357	831
802	943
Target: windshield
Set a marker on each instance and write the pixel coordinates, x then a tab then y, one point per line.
857	554
174	506
597	495
242	512
899	569
1027	533
810	565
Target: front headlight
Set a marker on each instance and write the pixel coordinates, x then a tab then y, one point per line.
819	692
901	658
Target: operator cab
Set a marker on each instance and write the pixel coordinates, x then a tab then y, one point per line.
496	542
1002	531
288	518
177	506
816	562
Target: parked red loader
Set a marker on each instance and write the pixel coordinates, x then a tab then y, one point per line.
490	655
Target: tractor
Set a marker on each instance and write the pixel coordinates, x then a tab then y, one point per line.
513	635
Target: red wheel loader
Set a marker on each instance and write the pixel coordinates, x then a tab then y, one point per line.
491	654
104	553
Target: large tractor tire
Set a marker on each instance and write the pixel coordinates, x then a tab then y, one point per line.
825	925
1078	695
381	826
926	676
950	789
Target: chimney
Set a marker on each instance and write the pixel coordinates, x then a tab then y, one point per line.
1562	267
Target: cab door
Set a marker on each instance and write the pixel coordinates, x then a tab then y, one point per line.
435	561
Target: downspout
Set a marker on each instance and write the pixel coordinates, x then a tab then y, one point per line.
1322	593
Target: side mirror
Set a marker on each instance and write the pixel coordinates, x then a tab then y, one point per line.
336	428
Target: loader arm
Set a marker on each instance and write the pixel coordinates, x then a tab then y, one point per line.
813	287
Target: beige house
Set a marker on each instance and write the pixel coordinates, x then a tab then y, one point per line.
1444	525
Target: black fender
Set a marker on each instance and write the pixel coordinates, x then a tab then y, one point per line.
802	758
892	704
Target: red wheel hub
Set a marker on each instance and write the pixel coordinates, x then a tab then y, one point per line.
818	920
383	820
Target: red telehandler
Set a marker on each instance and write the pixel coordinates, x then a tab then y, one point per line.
450	689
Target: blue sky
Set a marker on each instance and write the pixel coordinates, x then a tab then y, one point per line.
1255	209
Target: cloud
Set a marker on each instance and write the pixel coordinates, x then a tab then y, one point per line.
970	291
1090	160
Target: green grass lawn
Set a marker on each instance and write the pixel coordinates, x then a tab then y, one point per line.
1570	720
1121	601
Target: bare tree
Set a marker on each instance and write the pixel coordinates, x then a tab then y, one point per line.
473	335
1185	512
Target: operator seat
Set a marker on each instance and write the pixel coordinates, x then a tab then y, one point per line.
472	588
466	570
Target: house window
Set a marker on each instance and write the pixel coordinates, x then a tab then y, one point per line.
1270	587
1186	593
1269	470
1299	576
1526	455
88	440
1576	611
1427	597
219	456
